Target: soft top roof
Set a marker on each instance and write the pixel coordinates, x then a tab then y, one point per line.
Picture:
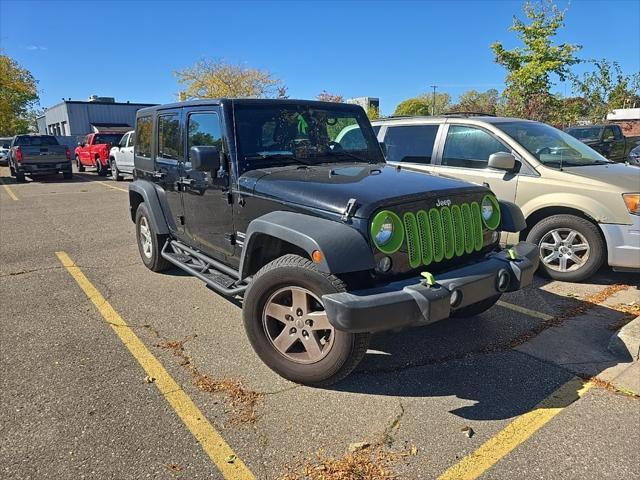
249	101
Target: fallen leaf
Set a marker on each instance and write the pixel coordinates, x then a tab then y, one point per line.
149	379
413	450
468	431
231	458
354	447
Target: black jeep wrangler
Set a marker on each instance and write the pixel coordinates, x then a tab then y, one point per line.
290	205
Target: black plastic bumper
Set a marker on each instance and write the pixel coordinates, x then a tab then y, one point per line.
412	303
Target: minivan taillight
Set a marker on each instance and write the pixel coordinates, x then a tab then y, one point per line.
18	154
68	153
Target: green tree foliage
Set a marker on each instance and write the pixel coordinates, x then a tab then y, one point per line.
373	112
606	88
422	105
478	102
18	95
530	68
217	78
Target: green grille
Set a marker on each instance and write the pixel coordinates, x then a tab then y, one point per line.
447	230
413	239
426	236
468	227
477	225
458	230
437	234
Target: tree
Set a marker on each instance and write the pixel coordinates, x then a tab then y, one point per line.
217	78
530	68
18	94
607	88
325	96
373	112
422	104
478	102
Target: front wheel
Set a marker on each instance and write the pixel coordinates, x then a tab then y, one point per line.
288	327
571	248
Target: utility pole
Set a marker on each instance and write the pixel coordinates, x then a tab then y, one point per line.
433	101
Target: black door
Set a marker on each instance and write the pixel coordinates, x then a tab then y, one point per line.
169	162
208	214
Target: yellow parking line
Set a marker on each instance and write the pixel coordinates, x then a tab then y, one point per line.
526	311
113	186
518	431
231	467
9	191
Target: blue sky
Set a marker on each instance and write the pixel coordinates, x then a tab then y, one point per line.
392	50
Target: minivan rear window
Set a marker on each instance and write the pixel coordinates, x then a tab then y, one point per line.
410	143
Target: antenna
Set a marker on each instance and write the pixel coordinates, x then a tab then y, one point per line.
433	102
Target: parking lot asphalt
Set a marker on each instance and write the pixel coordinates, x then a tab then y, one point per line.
506	393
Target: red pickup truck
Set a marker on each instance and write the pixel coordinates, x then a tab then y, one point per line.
94	151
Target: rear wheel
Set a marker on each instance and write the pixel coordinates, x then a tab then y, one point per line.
149	242
288	327
115	173
571	248
67	175
79	164
100	169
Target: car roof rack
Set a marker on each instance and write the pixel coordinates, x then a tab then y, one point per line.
467	114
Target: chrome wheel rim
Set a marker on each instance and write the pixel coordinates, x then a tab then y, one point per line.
564	250
114	170
145	238
297	326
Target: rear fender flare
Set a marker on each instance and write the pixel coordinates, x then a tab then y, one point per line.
147	191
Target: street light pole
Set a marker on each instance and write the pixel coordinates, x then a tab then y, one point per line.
433	101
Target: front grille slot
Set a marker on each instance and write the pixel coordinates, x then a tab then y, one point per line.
443	233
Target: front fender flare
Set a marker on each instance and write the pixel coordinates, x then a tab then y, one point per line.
343	248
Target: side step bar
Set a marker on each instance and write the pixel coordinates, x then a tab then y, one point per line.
216	275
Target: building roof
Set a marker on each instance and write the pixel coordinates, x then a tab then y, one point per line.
81	102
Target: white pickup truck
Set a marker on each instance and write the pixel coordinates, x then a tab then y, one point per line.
121	156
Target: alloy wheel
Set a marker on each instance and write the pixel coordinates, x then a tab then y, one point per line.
564	250
145	237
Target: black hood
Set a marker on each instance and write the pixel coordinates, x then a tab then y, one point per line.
329	187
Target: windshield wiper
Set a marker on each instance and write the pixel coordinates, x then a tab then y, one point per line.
336	153
276	156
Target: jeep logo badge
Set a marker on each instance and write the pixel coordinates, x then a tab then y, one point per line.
443	203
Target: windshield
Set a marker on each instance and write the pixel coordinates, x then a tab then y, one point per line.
585	133
36	141
108	138
276	135
551	146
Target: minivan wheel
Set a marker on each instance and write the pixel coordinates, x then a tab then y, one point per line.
288	328
149	242
79	165
571	248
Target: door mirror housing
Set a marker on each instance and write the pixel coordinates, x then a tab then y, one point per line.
502	161
205	158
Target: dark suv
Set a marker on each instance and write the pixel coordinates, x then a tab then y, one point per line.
290	205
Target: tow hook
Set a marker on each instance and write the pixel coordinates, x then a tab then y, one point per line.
429	279
511	255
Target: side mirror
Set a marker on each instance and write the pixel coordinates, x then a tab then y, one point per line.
205	159
502	161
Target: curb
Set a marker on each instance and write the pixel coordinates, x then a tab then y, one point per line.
626	341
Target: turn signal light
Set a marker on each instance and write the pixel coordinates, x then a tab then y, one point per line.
632	201
316	256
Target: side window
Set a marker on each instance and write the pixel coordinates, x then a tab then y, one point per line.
123	141
617	132
143	133
469	147
169	137
608	134
204	130
410	143
132	139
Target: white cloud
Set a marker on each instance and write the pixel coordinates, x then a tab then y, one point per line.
36	47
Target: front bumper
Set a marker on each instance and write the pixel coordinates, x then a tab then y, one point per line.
412	303
623	244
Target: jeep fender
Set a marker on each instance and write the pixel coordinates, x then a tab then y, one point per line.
145	191
343	248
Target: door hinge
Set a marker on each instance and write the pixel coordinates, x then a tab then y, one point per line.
231	238
181	219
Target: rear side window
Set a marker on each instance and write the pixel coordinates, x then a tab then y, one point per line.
410	143
169	137
469	147
204	130
143	134
39	141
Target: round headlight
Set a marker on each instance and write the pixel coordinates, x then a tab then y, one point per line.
490	212
387	232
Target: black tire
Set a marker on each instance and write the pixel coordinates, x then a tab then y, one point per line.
79	165
19	176
100	169
67	175
115	173
589	232
347	349
476	308
152	259
12	171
